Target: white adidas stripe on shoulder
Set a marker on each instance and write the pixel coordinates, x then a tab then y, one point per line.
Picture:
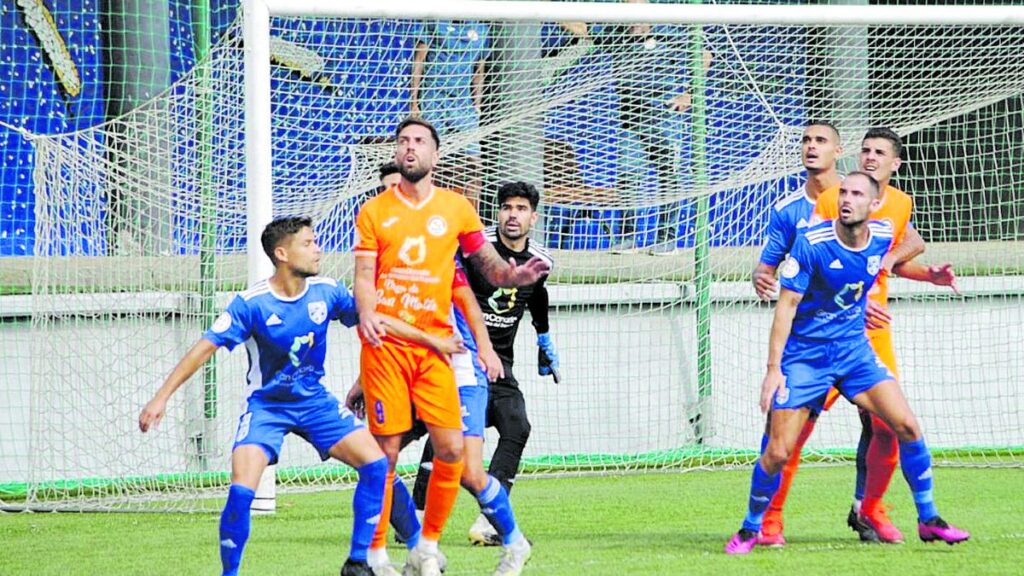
880	227
820	236
789	199
542	253
261	287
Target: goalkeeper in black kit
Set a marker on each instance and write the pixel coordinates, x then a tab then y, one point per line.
503	308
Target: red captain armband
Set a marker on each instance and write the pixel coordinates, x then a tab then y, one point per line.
460	279
472	241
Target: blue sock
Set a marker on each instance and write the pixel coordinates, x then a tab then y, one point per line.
403	514
495	505
234	527
762	488
916	461
367	503
764	443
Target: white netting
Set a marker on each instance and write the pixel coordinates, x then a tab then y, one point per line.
140	234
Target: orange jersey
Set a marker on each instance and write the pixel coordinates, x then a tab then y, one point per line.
414	246
896	209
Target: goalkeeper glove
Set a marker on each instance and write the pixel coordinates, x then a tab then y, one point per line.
547	358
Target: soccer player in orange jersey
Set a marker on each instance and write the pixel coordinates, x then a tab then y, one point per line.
405	263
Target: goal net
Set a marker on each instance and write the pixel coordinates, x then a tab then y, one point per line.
660	150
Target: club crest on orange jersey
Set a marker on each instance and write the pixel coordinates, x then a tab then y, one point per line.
437	225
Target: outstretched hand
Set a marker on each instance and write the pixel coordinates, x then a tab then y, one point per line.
529	272
943	275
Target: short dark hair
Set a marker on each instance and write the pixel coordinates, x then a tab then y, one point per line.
519	190
826	124
876	189
890	135
280	229
387	169
418	121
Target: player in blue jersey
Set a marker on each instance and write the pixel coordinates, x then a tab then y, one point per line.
820	147
818	341
283	322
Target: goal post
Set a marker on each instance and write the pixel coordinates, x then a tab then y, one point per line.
683	135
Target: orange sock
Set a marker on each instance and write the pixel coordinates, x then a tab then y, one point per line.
789	471
442	490
883	454
380	535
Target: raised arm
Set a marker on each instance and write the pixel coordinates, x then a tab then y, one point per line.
365	290
507	274
782	326
419	58
154	410
477	85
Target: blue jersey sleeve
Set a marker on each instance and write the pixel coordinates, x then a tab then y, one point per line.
795	273
780	239
345	307
233	326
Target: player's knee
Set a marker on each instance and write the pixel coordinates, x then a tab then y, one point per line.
474	478
907	428
518	430
775	457
447	451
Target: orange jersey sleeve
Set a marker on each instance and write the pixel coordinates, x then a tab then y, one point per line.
414	246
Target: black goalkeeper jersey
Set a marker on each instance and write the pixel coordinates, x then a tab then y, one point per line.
503	308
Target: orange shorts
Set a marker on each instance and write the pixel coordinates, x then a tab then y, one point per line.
397	377
881	343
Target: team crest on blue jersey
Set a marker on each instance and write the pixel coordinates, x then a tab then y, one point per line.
849	295
874	264
317	311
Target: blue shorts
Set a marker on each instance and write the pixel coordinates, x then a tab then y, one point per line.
322	421
474	410
812	367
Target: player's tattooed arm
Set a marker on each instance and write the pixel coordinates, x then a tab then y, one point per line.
507	274
365	289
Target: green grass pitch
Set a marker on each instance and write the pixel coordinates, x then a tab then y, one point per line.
638	524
